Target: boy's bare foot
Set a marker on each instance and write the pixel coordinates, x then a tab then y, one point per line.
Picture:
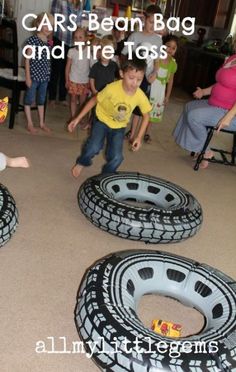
32	129
76	170
19	162
45	128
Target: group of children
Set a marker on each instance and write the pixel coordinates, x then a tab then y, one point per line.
113	86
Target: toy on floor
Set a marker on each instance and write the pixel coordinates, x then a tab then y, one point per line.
166	328
3	109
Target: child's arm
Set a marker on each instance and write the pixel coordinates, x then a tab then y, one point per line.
92	86
28	80
67	71
169	87
89	105
152	77
138	140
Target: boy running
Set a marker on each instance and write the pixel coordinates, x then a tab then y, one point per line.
114	107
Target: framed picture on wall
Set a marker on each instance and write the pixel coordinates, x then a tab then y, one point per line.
138	5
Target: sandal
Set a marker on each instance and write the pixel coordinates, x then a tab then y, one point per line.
204	163
147	138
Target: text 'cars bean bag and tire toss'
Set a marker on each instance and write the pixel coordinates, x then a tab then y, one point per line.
107	321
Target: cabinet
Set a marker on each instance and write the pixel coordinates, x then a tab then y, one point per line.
199	68
214	13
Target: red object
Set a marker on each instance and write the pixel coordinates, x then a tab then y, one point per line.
116	10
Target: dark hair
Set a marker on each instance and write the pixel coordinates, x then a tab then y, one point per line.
133	64
119	24
170	37
152	9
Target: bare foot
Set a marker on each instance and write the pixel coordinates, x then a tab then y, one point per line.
76	170
19	162
45	128
32	129
204	163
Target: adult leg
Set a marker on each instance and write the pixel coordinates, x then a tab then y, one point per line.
191	132
114	150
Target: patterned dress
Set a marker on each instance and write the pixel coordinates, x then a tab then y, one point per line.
158	89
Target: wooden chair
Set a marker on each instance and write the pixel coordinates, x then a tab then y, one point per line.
226	157
12	76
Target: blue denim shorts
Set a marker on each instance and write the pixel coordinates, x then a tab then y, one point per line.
36	93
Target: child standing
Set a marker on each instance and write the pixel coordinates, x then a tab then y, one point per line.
94	57
104	71
114	106
161	85
77	72
147	37
37	71
62	37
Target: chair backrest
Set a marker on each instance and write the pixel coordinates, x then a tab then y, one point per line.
9	45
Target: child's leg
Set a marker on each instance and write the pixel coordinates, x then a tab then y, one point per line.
86	123
30	125
82	99
18	162
92	147
28	100
41	98
134	127
73	105
114	151
147	137
41	119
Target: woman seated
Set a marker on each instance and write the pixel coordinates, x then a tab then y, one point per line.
217	111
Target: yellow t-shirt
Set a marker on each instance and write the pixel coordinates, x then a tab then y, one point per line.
114	106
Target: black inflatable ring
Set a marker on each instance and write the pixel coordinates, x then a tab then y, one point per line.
8	215
174	214
106	318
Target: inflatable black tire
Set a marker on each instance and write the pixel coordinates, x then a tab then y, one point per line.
174	214
8	215
105	314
